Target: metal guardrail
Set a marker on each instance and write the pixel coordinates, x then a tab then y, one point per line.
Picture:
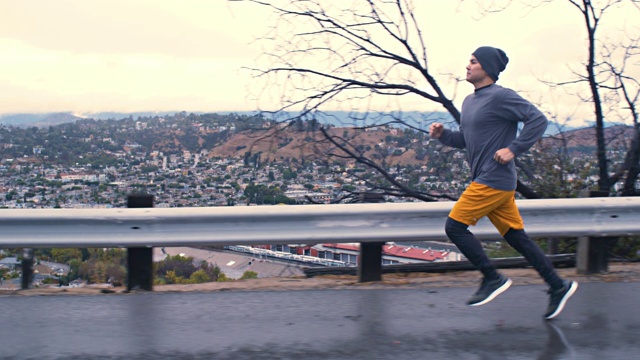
300	224
141	227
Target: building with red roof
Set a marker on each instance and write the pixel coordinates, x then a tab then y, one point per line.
391	253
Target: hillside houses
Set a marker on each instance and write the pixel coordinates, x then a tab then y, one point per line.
213	160
175	180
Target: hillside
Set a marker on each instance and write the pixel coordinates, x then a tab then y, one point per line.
291	144
585	138
236	136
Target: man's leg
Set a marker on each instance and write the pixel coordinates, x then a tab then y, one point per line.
470	247
560	290
508	221
476	202
493	283
506	218
519	240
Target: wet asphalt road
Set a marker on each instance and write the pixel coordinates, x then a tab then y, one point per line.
601	321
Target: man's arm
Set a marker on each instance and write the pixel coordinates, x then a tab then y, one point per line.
535	123
451	138
436	130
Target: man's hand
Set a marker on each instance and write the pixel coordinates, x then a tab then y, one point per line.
503	156
436	130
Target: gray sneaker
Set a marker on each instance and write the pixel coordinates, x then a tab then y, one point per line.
489	289
558	299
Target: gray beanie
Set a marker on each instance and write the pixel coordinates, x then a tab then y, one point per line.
493	60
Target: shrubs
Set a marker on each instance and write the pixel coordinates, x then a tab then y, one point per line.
249	275
183	270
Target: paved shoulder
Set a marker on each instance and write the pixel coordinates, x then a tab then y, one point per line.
326	324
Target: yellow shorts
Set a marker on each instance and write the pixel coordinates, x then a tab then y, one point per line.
480	200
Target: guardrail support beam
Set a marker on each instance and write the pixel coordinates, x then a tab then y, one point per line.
140	259
370	262
27	268
591	255
592	252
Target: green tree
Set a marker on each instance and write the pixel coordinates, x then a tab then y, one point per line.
199	276
65	255
249	275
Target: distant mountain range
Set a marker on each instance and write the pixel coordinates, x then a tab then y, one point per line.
47	119
337	118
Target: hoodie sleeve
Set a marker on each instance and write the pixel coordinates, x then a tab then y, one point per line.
453	138
535	123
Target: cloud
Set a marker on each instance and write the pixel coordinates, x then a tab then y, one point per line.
165	55
178	29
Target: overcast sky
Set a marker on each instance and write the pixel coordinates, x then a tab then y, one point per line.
173	55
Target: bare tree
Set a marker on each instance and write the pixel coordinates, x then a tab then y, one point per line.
610	83
348	55
364	59
627	92
553	167
612	89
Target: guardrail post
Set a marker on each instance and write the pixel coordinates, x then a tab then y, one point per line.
370	262
552	245
140	260
592	252
27	268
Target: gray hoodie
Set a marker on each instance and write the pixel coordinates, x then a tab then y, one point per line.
489	122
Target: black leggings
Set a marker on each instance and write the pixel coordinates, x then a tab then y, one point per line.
472	249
